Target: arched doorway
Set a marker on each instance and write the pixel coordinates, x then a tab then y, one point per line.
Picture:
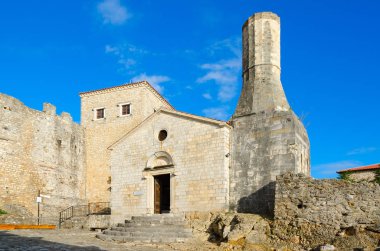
159	171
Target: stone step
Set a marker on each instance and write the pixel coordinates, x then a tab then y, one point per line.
158	216
155	219
159	229
151	234
154	228
139	239
129	223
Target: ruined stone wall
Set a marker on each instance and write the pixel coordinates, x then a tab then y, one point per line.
39	151
319	210
102	133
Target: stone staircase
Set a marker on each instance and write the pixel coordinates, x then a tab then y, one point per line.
160	228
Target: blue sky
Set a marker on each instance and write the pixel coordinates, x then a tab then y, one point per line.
190	51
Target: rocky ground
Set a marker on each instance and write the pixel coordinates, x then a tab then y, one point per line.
233	231
212	231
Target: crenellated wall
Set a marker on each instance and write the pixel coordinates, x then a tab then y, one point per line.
39	150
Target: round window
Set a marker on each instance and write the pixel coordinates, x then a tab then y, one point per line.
162	135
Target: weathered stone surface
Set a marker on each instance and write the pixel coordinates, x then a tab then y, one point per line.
39	151
99	221
320	210
268	139
76	222
143	100
264	146
194	154
367	175
229	227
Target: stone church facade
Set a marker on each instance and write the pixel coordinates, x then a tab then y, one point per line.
144	157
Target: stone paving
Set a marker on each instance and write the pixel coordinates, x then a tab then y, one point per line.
62	240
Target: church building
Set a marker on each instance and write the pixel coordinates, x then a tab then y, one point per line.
159	160
136	152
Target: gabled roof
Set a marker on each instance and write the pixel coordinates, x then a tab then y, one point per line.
361	168
175	113
127	86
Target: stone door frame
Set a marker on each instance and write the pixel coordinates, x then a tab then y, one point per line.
149	177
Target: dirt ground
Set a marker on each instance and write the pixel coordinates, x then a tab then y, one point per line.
52	240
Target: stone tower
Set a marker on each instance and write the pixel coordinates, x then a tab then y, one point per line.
268	138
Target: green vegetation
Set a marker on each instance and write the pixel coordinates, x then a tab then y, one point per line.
377	176
2	212
345	176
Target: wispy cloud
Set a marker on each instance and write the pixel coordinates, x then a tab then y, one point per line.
154	80
220	113
113	12
126	54
207	96
328	170
361	150
230	44
225	72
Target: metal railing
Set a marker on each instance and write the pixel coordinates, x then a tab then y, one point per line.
93	208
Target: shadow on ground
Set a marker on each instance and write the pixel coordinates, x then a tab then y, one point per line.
9	241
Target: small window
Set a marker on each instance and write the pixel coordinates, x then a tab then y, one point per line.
99	113
162	135
125	109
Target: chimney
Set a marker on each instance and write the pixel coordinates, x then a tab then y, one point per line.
262	89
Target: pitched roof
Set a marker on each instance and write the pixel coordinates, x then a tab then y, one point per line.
176	113
127	86
361	168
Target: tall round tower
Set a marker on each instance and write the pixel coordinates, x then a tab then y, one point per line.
268	138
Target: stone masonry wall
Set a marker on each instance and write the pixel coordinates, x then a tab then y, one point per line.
102	133
368	175
264	146
268	139
199	175
39	151
318	210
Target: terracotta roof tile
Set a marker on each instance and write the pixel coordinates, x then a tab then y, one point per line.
361	168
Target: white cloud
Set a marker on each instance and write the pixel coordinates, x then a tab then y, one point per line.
112	49
220	113
154	80
126	54
127	62
361	150
329	169
224	73
113	12
231	44
207	96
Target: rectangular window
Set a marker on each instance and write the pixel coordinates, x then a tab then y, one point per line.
126	109
100	113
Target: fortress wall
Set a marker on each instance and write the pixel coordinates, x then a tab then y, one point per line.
318	210
39	151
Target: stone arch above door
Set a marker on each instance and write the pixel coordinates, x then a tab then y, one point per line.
159	159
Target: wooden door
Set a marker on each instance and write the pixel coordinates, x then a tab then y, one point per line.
157	196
